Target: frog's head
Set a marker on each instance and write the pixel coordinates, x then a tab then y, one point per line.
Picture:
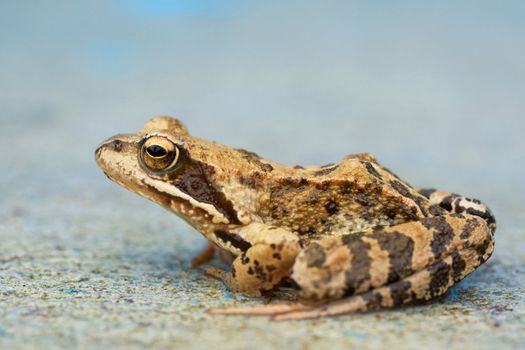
165	164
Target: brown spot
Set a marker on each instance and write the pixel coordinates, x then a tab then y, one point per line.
405	192
371	170
399	292
248	154
277	256
469	227
485	215
446	203
266	167
458	266
270	268
400	249
259	271
346	188
248	181
234	239
294	182
332	207
323	186
312	197
303	230
439	278
363	199
255	159
436	210
325	171
298	167
443	234
315	255
359	272
372	299
483	248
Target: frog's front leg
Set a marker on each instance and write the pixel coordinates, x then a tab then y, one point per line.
205	255
386	267
265	263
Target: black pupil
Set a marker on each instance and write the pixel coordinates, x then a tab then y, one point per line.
156	151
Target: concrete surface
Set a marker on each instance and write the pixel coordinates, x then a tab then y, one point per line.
435	91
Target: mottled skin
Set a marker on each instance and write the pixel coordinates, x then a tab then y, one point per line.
350	236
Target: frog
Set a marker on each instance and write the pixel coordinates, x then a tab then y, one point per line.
345	237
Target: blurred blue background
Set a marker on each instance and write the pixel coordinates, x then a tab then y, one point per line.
435	89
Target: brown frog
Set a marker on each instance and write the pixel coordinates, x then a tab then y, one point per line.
348	237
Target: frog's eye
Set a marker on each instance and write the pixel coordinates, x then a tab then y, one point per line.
159	154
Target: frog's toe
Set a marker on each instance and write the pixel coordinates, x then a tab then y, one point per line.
260	310
217	273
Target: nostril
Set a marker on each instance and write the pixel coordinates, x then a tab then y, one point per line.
117	145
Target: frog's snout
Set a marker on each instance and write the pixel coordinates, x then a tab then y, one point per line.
114	149
112	145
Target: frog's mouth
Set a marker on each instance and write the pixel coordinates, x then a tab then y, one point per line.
118	159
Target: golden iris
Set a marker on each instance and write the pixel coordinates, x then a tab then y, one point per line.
159	153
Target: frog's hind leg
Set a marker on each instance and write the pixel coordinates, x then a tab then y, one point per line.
455	203
392	266
384	268
423	285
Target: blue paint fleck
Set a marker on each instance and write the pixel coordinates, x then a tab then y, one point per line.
194	302
356	335
227	295
2	331
72	291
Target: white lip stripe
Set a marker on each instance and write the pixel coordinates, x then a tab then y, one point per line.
218	217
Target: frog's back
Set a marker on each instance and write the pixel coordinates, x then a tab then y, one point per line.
350	196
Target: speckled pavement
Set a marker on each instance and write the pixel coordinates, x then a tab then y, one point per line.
84	264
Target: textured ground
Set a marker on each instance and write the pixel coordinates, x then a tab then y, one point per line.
435	91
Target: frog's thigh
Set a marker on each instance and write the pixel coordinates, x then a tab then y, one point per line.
423	285
411	262
266	263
